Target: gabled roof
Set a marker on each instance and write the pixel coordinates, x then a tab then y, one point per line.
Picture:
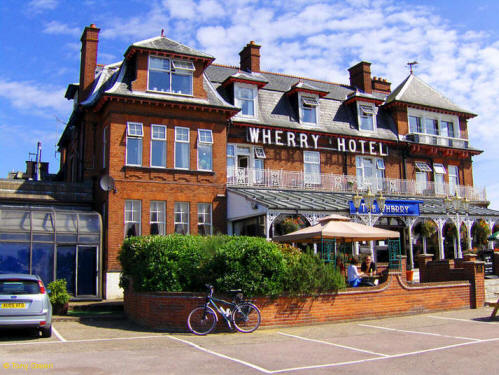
246	77
164	44
413	90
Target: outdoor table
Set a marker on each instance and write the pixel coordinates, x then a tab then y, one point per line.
372	278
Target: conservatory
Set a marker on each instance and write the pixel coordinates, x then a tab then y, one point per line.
55	242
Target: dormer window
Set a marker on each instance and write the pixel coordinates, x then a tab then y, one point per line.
308	109
245	97
367	116
174	76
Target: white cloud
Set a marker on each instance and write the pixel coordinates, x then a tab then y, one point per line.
30	96
38	6
58	28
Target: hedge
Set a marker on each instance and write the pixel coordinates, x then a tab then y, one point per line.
177	263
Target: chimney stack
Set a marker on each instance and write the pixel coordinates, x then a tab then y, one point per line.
360	77
89	44
250	58
381	85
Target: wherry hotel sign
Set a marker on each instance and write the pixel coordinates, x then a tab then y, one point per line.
305	140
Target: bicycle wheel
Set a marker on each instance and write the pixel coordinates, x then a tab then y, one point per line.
246	317
202	320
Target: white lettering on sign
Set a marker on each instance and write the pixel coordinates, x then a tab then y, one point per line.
396	209
304	140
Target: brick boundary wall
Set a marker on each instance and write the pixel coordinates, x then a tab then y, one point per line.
161	310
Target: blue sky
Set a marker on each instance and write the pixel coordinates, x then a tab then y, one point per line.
456	43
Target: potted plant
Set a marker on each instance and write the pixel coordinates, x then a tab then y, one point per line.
427	230
59	296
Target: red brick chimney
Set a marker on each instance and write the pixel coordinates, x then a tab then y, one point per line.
381	85
360	77
250	58
89	43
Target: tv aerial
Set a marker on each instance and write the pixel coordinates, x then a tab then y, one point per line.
106	183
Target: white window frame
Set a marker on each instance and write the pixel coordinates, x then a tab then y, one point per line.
158	209
104	146
205	218
421	182
155	138
453	179
312	158
188	142
230	154
179	208
133	207
424	115
371	110
176	67
438	174
133	132
379	172
302	103
205	140
238	87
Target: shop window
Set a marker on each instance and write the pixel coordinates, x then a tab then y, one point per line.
134	143
166	75
205	150
204	219
181	217
132	218
182	148
158	217
158	146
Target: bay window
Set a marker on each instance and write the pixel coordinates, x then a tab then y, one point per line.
132	218
182	148
181	217
134	143
158	217
158	146
205	150
204	219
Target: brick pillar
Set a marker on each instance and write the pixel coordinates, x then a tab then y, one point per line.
475	273
423	260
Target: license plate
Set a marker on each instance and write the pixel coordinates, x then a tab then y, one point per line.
14	305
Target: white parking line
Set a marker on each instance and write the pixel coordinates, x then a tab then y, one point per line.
82	340
333	344
58	335
337	364
261	369
419	332
461	320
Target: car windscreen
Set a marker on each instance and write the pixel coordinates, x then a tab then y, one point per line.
17	287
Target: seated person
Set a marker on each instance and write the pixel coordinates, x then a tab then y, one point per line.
354	277
368	266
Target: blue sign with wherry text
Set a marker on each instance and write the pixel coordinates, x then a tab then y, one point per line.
392	208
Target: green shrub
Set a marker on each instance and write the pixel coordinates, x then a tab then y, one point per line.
258	267
58	292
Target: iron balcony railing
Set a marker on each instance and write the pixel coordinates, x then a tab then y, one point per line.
280	179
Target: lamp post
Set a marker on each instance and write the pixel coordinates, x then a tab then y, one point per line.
453	206
369	206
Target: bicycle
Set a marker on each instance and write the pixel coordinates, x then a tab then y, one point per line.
244	315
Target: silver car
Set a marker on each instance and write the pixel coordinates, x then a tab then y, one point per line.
24	302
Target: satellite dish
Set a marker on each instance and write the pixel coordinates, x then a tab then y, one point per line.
106	183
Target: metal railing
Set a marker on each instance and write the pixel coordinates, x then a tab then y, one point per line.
437	140
280	179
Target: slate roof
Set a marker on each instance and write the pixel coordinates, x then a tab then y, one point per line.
277	109
414	90
164	44
306	200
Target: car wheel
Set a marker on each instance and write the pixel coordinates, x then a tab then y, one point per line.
46	331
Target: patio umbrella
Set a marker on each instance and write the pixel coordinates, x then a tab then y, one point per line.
494	237
340	228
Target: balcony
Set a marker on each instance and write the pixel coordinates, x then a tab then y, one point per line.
437	140
280	179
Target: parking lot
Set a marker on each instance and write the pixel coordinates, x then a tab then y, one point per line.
453	342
